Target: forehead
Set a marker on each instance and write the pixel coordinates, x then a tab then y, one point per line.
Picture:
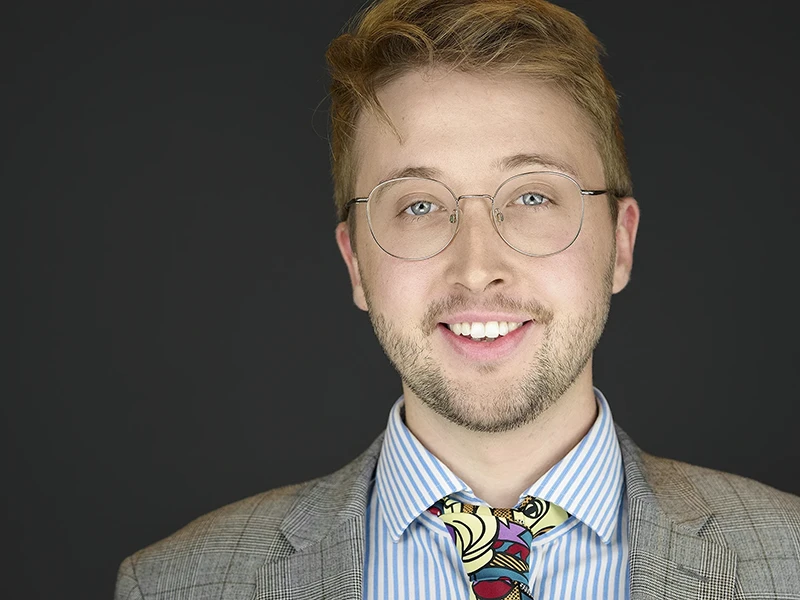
471	129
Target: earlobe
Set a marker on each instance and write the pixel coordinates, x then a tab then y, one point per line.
627	226
345	247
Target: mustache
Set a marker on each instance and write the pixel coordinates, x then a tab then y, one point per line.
499	302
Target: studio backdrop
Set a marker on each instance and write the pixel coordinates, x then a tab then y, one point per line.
181	329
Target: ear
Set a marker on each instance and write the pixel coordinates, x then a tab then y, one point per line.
345	247
627	226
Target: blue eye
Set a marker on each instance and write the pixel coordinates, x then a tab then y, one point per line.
532	199
421	208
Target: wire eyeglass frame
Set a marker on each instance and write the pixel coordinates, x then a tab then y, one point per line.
494	211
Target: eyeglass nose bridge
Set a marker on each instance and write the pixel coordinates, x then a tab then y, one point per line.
496	213
489	196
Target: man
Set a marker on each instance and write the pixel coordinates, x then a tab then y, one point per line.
486	221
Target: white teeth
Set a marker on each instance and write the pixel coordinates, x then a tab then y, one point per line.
490	330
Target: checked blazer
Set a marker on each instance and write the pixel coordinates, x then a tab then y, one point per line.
694	533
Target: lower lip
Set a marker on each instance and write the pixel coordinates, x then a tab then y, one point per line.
486	351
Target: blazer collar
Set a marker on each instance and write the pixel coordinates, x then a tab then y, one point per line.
668	557
326	528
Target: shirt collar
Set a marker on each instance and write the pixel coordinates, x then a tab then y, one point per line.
587	482
408	478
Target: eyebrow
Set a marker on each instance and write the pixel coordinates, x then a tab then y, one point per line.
540	160
419	171
508	163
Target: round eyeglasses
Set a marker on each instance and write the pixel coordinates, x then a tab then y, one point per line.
414	218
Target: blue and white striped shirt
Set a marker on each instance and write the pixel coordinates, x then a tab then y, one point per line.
409	553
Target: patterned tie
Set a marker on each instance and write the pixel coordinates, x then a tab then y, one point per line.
495	543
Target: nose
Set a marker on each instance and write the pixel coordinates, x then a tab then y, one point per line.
478	257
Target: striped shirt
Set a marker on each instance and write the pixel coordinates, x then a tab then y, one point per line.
409	553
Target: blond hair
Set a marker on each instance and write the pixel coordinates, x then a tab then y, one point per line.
519	37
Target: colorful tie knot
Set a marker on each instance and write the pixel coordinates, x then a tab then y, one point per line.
495	543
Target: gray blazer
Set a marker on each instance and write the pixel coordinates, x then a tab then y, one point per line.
694	533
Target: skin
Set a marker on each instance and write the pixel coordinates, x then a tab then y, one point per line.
498	425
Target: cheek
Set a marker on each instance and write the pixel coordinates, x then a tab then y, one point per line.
396	289
580	274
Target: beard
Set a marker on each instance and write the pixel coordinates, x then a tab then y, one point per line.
566	347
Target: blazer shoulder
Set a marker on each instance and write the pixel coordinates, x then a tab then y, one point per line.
219	550
725	493
224	549
226	525
756	523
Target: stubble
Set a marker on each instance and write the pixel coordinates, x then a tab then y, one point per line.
567	345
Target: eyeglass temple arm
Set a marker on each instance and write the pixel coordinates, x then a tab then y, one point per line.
349	204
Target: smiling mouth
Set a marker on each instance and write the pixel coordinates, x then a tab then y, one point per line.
484	332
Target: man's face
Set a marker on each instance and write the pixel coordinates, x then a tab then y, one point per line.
471	132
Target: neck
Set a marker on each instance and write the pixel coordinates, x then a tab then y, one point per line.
499	467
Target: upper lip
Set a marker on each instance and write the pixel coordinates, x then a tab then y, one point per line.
476	317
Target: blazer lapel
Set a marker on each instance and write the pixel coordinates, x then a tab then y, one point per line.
669	558
326	529
331	569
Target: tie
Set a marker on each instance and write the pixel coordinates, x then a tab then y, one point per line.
495	543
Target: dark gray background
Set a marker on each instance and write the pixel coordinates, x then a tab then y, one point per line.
181	326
